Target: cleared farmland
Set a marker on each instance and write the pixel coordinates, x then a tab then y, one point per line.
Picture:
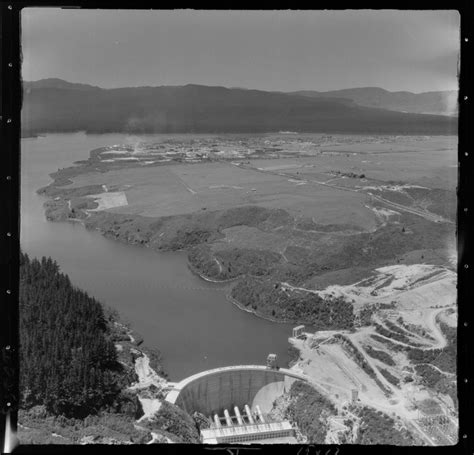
179	189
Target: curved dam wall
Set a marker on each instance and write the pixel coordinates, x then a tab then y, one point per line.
212	391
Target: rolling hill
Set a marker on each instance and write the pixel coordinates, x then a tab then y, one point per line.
53	105
439	103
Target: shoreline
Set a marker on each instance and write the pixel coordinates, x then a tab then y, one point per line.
136	342
105	225
206	278
191	268
261	316
188	264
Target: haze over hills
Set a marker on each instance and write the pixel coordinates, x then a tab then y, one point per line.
56	83
54	105
440	103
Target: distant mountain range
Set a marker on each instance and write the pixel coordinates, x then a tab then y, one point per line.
54	105
440	103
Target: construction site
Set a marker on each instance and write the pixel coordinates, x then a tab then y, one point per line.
375	369
403	370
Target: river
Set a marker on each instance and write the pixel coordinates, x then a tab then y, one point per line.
188	319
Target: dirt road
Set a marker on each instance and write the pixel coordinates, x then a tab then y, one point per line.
423	213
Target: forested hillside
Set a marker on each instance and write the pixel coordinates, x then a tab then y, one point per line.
68	361
58	106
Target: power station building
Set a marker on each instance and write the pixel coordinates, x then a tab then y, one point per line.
273	433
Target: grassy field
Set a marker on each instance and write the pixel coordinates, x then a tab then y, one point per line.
431	168
312	219
178	189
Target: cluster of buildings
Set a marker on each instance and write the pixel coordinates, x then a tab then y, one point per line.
199	149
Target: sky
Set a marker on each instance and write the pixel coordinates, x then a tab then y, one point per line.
415	51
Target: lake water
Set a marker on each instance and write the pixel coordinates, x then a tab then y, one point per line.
187	319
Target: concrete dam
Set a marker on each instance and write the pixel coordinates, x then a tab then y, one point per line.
236	402
211	392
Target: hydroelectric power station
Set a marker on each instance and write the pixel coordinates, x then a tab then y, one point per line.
237	400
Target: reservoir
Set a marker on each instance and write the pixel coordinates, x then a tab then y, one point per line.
188	319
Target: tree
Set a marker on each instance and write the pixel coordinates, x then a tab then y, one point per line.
68	360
